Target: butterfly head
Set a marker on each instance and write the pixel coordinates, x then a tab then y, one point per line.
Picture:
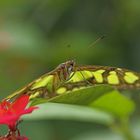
70	66
66	69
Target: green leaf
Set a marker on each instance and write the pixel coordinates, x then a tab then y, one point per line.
115	103
82	96
79	97
102	97
57	111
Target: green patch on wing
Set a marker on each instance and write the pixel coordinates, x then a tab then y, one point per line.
42	82
130	77
85	74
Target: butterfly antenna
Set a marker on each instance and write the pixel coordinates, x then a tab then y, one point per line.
96	41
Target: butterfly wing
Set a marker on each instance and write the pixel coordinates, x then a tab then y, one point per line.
51	84
94	75
46	85
43	86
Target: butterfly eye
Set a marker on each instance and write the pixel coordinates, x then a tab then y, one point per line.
72	64
62	66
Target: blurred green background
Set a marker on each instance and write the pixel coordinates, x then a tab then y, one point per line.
37	35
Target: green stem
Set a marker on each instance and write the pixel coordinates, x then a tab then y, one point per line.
123	128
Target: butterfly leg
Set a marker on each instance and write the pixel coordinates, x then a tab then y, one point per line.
56	82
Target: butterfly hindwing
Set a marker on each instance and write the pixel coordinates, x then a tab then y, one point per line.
44	85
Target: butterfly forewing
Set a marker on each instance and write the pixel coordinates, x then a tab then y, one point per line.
94	75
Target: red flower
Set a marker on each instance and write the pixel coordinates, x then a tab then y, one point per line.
10	112
13	137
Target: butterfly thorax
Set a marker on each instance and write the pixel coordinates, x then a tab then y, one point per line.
64	70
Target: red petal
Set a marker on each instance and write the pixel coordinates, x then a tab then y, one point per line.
20	104
29	110
9	119
10	113
5	105
22	138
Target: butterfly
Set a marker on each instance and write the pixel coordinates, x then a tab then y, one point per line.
68	77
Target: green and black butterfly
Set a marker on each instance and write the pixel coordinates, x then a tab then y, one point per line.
68	77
